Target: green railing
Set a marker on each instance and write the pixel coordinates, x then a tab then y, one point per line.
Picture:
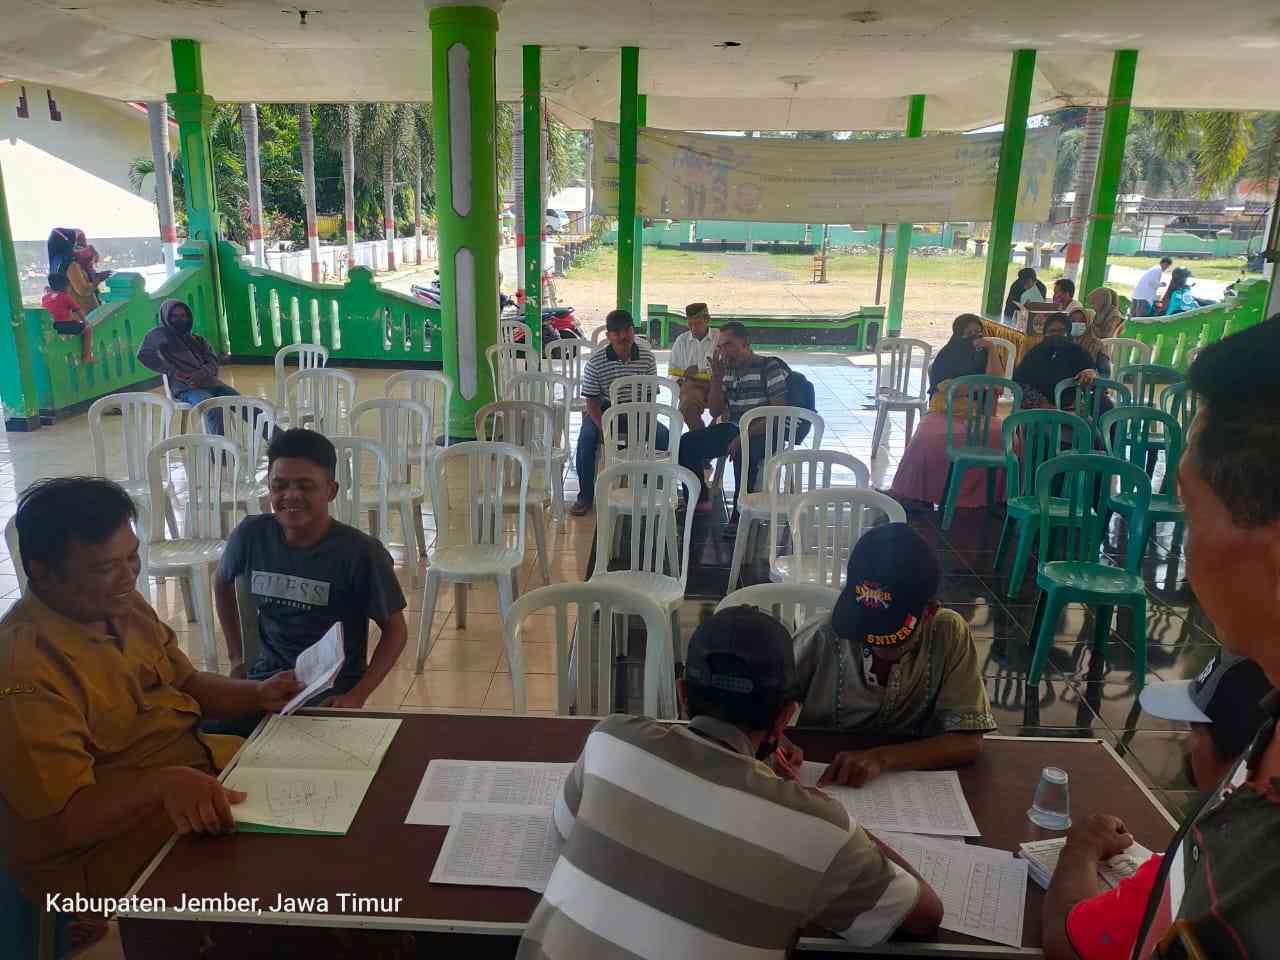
1172	338
357	321
842	333
64	383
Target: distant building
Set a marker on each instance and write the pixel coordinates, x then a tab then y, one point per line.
66	164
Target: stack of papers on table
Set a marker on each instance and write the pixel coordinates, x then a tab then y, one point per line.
919	801
308	774
1042	860
501	828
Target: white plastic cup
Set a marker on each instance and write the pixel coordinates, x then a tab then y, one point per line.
1051	806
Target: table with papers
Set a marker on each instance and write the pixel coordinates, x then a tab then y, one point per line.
498	770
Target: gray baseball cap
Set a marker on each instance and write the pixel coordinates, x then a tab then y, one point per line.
1227	694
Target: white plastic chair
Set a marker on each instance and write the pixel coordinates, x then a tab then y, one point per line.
556	392
782	428
181	406
1125	351
145	420
323	395
584	664
895	358
307	357
600	338
531	427
825	525
506	360
1010	355
567	358
433	390
787	475
630	432
515	331
485	548
207	498
644	388
363	479
795	604
404	431
248	422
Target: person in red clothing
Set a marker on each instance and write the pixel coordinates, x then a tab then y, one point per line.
67	316
1083	920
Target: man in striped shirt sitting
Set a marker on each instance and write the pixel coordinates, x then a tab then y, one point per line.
623	357
680	842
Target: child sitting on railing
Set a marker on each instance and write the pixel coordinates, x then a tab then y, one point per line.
66	314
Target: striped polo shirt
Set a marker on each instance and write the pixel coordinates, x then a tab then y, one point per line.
678	843
761	382
605	366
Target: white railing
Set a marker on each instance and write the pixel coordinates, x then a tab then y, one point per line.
333	258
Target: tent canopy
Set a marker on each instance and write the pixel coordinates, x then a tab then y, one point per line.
818	65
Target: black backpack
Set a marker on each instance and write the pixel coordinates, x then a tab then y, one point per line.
800	393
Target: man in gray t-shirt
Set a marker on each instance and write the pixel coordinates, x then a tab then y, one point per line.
307	571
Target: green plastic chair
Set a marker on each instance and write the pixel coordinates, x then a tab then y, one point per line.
1180	403
1044	433
1089	399
1145	380
1082	577
982	394
1135	434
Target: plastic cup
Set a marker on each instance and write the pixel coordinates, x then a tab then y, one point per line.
1051	806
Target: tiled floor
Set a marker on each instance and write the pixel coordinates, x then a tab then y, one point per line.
1081	694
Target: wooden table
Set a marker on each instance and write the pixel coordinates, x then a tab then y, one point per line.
389	861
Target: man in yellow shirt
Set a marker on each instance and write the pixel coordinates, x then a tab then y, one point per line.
99	707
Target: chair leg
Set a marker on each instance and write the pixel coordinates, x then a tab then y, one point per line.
991	489
537	515
428	617
739	552
1028	531
170	518
911	424
184	584
557	492
1101	629
1139	607
405	509
418	528
1050	607
460	604
954	476
515	651
202	594
1004	542
881	415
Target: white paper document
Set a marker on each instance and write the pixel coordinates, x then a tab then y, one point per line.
501	787
491	849
983	891
317	667
1042	860
923	801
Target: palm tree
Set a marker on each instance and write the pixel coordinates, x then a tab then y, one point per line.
392	127
306	141
1085	170
339	126
253	174
423	164
158	121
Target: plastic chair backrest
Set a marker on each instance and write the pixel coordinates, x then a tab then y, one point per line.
145	420
1080	520
309	357
650	490
795	604
1123	351
825	524
1089	397
507	359
631	432
1136	434
206	497
522	423
552	390
248	422
785	428
358	457
168	392
604	605
981	394
514	331
1144	381
1042	436
430	388
1182	403
796	472
327	394
479	499
1010	354
404	431
894	377
567	357
644	388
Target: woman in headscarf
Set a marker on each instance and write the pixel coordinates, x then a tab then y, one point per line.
922	473
171	349
61	247
1178	298
1023	289
1102	320
83	276
1054	359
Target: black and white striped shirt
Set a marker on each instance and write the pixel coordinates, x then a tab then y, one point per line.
605	366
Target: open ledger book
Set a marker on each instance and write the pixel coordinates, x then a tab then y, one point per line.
308	774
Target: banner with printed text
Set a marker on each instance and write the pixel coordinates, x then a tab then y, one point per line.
946	176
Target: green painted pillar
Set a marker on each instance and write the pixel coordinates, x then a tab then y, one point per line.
1106	182
17	380
637	251
902	247
1000	246
628	125
193	110
462	90
535	220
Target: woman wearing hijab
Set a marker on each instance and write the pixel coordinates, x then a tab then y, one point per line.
61	247
1055	358
1024	289
922	473
1178	298
186	358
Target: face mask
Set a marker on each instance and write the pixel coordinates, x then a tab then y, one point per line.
180	323
1078	329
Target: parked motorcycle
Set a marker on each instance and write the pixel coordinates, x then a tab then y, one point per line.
558	323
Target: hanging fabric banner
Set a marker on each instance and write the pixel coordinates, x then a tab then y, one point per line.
947	176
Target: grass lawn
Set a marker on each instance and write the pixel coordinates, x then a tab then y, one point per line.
602	264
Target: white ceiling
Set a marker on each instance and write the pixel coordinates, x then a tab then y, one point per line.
1193	54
